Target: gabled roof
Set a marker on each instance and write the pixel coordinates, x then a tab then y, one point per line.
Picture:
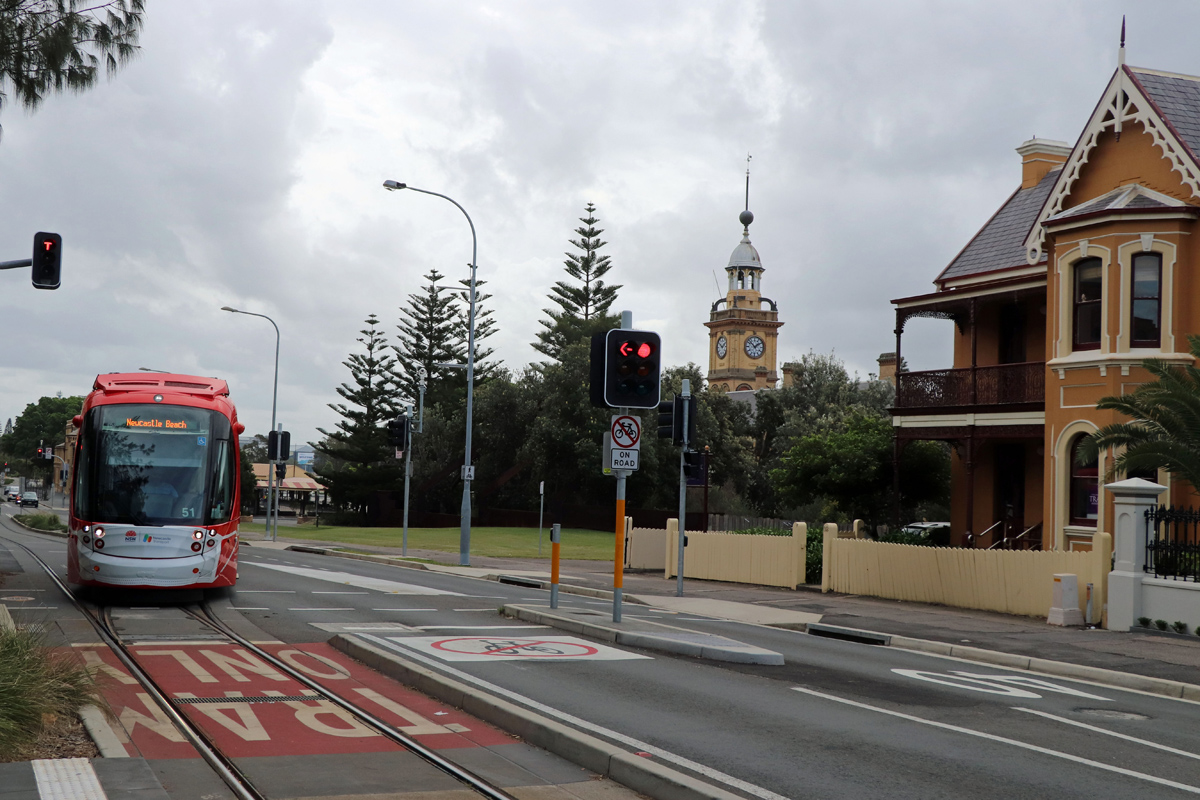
1177	98
1165	104
1132	197
999	245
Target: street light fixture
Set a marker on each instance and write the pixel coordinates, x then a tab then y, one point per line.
464	543
272	491
147	369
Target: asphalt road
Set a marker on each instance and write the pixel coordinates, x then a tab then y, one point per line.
839	719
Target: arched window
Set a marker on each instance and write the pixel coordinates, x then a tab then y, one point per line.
1088	307
741	280
744	387
1085	488
1145	303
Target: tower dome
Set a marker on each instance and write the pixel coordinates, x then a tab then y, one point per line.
745	255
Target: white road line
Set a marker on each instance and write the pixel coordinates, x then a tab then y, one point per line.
1127	738
404	609
477	627
1004	740
488	610
248	608
33	608
316	592
561	716
265	591
359	581
320	609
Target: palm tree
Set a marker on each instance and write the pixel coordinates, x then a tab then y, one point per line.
1164	431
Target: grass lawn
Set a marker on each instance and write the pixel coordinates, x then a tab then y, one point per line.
501	542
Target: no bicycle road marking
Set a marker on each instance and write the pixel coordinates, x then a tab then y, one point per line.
504	648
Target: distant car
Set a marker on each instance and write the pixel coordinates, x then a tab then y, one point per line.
935	533
12	493
29	499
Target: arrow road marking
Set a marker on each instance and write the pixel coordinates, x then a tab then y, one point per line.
1004	740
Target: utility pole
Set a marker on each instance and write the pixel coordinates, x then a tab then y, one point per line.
420	425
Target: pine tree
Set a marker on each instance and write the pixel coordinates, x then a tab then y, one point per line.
57	45
361	461
485	327
432	332
583	307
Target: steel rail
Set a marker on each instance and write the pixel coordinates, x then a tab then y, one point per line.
222	765
449	767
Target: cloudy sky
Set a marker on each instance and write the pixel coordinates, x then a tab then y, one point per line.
238	161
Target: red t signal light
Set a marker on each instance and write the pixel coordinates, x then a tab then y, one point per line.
47	260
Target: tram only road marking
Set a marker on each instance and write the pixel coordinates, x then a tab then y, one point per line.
504	648
362	582
1087	762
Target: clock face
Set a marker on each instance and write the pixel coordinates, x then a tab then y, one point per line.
755	347
722	347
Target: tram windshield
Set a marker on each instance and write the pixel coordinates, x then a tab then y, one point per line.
155	464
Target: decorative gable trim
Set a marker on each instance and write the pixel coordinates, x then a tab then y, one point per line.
1123	101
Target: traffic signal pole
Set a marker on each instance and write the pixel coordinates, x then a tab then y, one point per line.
686	393
619	549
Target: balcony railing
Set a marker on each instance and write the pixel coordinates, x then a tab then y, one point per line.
1003	384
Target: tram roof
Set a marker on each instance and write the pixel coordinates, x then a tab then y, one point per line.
169	382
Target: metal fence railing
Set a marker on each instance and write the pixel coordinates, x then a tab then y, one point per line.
1173	543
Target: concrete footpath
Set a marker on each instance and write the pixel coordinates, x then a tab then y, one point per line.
1161	664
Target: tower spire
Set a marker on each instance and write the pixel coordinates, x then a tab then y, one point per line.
1121	50
746	217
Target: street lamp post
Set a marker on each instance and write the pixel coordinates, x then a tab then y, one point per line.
271	490
464	543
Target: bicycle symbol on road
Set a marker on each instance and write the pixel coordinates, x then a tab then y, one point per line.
525	648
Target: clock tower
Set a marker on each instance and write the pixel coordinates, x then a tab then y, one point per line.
743	326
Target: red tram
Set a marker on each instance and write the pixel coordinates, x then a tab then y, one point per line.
154	489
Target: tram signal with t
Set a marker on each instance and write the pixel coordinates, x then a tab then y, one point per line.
693	464
279	445
397	430
632	369
47	260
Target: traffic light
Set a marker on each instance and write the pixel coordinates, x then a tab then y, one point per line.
280	471
670	419
279	445
632	366
41	453
397	430
666	419
693	464
47	260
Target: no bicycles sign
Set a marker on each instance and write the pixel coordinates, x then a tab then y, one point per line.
626	432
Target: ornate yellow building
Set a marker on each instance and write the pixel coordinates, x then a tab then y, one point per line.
742	335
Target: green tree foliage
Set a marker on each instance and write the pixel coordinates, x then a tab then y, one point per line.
1164	427
57	45
848	467
361	461
431	328
583	304
485	328
42	422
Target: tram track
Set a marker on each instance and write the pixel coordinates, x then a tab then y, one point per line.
219	760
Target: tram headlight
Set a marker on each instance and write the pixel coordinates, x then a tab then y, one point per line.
99	544
211	542
99	532
87	540
195	547
197	534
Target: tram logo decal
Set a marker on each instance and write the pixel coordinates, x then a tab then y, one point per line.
147	538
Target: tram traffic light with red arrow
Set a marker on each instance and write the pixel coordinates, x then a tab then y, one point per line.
626	369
